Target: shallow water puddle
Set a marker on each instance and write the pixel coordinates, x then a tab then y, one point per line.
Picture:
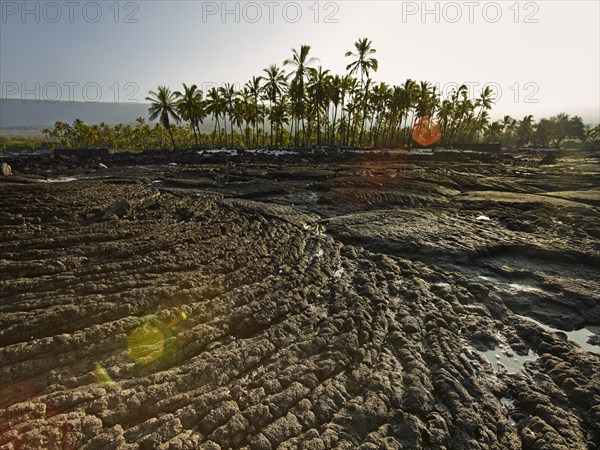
502	358
272	152
58	180
512	288
525	288
212	151
507	359
580	337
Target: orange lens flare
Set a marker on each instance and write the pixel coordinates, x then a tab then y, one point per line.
425	131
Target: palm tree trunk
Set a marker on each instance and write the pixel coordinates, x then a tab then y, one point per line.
409	133
255	119
362	125
348	131
332	141
271	120
342	123
215	130
318	128
195	135
172	139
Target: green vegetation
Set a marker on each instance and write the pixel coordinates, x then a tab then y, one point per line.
310	106
553	132
20	142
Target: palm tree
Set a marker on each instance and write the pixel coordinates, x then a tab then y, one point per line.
365	104
349	85
444	115
163	105
229	95
238	116
275	86
409	100
484	103
50	135
254	88
301	62
319	86
363	61
278	116
461	108
216	106
141	133
593	134
246	109
382	95
493	132
261	115
191	108
336	95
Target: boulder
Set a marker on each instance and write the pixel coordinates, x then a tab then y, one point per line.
6	169
120	208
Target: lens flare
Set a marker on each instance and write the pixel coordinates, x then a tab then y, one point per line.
153	341
102	375
179	318
52	429
425	131
369	174
15	392
146	343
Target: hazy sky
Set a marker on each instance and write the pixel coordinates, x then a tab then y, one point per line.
542	56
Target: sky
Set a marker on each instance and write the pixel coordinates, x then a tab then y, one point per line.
541	57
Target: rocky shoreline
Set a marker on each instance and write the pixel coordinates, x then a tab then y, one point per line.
301	300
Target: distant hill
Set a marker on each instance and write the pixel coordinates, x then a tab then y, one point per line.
30	115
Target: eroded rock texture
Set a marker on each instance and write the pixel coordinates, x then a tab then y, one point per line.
350	301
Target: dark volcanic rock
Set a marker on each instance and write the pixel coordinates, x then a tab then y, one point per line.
119	208
312	301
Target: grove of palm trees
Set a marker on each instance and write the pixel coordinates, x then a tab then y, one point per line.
301	104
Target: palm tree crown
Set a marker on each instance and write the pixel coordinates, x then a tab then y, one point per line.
163	104
191	107
363	61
